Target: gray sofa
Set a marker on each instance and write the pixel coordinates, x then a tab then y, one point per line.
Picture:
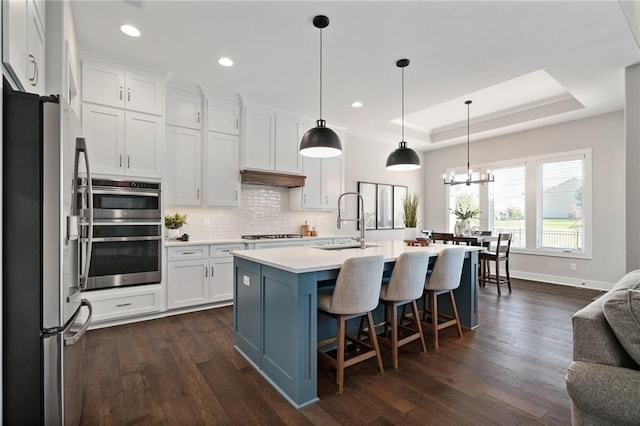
604	379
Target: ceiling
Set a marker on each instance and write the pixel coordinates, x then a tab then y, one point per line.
524	64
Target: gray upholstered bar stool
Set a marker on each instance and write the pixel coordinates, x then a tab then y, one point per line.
405	286
444	279
355	294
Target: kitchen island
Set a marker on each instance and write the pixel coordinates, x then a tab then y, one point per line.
275	306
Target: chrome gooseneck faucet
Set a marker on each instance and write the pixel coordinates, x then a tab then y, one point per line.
360	218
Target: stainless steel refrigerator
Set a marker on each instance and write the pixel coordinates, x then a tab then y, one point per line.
45	262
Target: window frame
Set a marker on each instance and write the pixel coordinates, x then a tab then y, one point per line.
532	203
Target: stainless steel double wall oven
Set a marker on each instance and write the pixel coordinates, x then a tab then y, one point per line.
127	232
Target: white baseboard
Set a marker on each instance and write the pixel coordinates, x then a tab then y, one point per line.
568	281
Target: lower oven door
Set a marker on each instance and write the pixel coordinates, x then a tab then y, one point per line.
125	254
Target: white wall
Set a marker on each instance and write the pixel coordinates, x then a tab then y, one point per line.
604	134
366	161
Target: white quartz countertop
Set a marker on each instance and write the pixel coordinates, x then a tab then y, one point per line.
311	259
204	241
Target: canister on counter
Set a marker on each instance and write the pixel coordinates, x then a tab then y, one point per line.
304	230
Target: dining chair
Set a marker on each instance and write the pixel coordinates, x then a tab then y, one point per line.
443	280
444	237
489	258
355	295
405	286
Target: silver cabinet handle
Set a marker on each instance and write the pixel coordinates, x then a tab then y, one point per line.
128	95
236	194
128	161
236	124
120	92
34	79
305	199
212	271
198	119
120	164
326	199
206	272
123	304
198	193
188	252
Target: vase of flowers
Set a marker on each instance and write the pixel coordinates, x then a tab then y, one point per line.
410	212
173	223
463	213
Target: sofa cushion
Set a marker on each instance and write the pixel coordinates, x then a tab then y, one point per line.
622	311
631	281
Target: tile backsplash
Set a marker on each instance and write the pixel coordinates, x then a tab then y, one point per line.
263	210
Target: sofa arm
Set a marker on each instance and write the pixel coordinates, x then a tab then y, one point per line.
594	340
611	393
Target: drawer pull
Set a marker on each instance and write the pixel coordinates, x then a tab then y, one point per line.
188	252
123	304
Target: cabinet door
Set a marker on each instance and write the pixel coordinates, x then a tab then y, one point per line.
102	84
331	182
183	109
14	40
187	283
221	279
144	93
223	116
103	128
223	170
312	189
182	175
143	143
288	128
35	53
259	134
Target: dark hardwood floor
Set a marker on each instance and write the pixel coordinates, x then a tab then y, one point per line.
183	370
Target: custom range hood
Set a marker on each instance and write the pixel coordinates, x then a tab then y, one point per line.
271	178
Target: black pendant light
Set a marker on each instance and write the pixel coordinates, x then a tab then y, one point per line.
321	141
403	158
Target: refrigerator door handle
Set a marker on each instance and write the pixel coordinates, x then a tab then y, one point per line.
81	147
78	334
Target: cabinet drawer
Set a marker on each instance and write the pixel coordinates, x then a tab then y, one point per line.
188	252
125	303
223	251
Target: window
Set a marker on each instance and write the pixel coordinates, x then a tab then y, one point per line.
507	200
543	201
468	197
560	195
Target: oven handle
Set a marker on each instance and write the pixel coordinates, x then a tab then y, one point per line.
124	239
123	192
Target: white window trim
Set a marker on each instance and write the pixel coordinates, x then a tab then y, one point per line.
531	199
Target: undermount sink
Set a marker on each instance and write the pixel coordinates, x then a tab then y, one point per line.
345	246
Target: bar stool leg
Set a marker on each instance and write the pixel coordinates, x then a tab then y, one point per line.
508	276
394	334
455	311
340	354
416	322
434	317
374	342
498	276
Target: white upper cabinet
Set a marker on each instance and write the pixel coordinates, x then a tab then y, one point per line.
122	142
143	145
223	116
183	109
23	39
110	85
271	139
288	128
182	172
223	170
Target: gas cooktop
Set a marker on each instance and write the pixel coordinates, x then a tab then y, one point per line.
270	236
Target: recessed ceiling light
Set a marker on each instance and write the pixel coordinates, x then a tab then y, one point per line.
356	104
225	62
130	30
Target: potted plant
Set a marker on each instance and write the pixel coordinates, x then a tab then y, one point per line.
173	223
410	211
463	213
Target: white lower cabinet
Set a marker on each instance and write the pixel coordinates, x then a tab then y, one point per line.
200	274
125	302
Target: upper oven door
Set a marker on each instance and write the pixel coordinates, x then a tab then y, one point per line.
125	203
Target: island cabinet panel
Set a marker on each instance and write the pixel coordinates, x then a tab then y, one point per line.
246	298
289	356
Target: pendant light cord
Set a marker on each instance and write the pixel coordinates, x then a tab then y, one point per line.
403	104
320	73
468	169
